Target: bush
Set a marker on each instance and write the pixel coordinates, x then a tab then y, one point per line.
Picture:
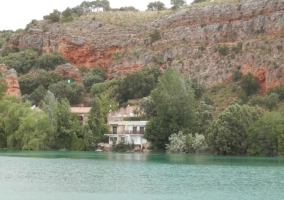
54	16
250	84
51	61
269	101
265	135
237	75
22	61
223	50
7	50
277	90
72	91
97	75
155	35
145	81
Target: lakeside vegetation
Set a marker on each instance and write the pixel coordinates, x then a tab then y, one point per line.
182	116
230	118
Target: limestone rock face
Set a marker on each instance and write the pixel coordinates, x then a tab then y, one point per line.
69	71
192	39
10	78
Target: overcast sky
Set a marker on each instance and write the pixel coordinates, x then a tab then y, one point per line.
15	14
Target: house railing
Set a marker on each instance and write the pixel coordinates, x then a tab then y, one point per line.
134	132
126	132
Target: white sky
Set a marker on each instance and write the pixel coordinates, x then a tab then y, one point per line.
15	14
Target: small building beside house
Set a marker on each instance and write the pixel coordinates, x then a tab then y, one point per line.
130	132
82	112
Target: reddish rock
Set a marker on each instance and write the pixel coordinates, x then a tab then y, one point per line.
10	78
189	41
69	71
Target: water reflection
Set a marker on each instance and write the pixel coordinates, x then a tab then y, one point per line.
188	159
68	175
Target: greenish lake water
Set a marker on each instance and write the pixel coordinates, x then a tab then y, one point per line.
54	175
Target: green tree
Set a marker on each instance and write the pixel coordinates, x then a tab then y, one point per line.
147	105
263	135
37	95
6	128
79	11
175	105
128	8
3	87
67	15
97	75
95	126
174	99
49	107
157	5
269	102
54	16
158	133
204	116
42	78
65	134
7	50
51	61
155	35
228	134
12	120
178	3
103	4
279	89
22	61
72	91
199	1
250	84
34	131
145	81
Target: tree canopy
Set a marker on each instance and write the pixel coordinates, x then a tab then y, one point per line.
175	105
156	6
227	135
178	3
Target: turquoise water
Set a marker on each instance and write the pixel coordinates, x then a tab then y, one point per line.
29	175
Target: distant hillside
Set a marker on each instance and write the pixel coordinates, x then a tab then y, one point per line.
210	41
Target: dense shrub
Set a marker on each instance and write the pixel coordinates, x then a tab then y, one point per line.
29	83
223	50
155	35
250	84
51	61
54	16
72	91
22	61
278	90
7	50
96	75
269	102
237	75
265	135
138	84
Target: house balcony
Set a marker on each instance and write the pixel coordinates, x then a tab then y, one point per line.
134	132
126	132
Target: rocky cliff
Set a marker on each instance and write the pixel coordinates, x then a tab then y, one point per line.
209	42
10	79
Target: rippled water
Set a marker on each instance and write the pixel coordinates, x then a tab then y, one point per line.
29	175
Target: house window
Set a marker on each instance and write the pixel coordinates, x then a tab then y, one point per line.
134	130
114	130
141	130
114	139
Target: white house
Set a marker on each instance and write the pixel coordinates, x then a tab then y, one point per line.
130	132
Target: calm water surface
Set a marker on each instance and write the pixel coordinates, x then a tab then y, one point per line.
50	175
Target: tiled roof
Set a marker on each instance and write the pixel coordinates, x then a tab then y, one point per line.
82	110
